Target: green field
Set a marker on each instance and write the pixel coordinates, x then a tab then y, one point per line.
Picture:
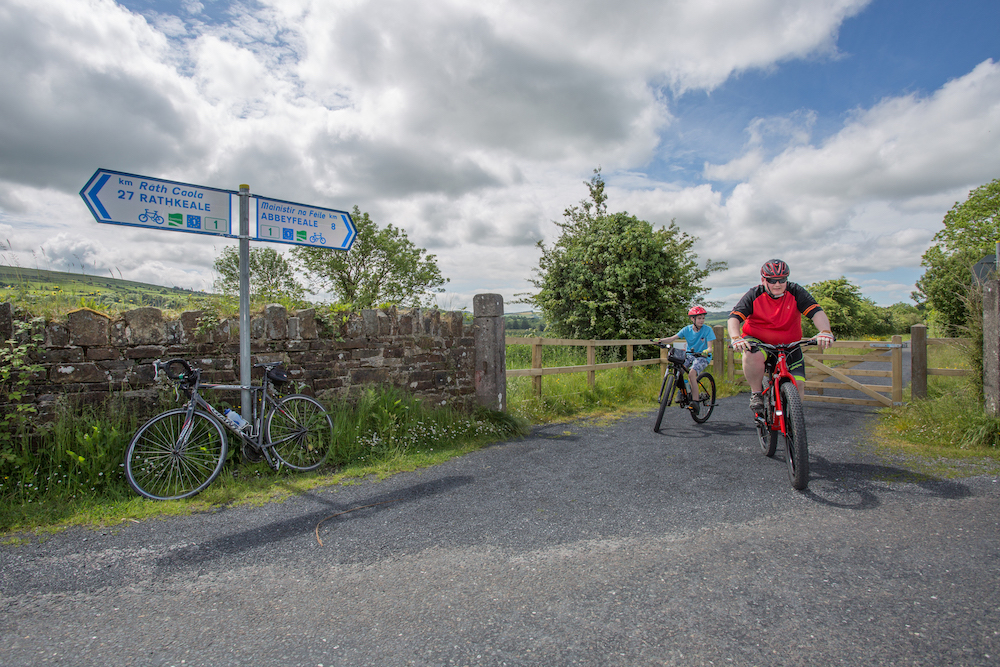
50	293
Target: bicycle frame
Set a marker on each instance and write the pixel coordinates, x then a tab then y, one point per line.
777	373
262	400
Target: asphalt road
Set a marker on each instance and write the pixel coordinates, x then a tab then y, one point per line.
583	544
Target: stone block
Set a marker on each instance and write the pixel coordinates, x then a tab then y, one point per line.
276	321
6	322
369	319
77	373
56	335
145	326
146	352
61	356
307	323
190	319
88	327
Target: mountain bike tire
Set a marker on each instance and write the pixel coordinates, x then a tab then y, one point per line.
796	442
666	395
159	468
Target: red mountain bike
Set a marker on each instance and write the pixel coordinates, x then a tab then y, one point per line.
783	412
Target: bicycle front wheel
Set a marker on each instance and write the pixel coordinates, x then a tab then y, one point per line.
666	395
160	466
796	444
706	398
300	430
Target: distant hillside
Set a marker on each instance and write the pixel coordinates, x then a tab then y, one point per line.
29	286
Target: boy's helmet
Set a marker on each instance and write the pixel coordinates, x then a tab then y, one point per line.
774	268
697	310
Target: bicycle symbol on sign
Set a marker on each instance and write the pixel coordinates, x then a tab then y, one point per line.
317	238
154	216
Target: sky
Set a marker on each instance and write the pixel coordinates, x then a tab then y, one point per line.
833	134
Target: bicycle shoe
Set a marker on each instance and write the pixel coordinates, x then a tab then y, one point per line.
695	408
756	403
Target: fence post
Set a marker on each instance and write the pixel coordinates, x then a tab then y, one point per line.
897	370
663	361
536	362
630	356
918	361
591	360
719	351
491	351
991	346
731	367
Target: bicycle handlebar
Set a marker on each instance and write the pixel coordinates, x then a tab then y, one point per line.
667	346
166	367
784	347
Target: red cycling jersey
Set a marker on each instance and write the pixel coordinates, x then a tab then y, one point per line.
775	321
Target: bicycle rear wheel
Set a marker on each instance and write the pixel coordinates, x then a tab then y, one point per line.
706	398
301	431
666	396
796	444
161	467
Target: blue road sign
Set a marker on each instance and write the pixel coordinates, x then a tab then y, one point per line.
129	199
287	222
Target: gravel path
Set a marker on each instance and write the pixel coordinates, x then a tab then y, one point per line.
583	544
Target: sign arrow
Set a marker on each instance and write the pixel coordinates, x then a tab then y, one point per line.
118	198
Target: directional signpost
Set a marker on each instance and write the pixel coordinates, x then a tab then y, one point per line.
140	201
128	199
288	222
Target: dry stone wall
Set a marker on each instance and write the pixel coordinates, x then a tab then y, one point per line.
426	352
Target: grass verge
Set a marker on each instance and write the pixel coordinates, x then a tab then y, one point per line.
72	473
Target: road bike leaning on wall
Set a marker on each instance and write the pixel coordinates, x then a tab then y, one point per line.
783	412
178	453
674	381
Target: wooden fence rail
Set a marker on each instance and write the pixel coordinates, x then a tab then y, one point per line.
728	365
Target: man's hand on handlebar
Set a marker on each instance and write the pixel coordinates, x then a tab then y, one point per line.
824	339
741	344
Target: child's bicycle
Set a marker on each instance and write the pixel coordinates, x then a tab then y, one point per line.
180	452
674	380
783	412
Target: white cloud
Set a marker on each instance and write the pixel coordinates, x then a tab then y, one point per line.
867	199
468	124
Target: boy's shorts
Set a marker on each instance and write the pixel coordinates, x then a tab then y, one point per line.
698	363
793	359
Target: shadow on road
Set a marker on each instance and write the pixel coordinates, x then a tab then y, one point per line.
861	486
278	531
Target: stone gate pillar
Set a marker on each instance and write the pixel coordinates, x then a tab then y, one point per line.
491	351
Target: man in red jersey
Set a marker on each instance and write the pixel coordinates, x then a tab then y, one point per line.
771	313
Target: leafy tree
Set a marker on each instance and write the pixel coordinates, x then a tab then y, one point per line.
272	278
612	276
970	232
851	314
383	266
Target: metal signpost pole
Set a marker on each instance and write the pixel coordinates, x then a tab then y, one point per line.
245	400
118	198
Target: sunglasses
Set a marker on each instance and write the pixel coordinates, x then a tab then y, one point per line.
776	281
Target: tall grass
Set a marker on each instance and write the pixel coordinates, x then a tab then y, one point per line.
72	471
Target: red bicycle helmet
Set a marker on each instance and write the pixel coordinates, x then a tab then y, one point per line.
696	310
774	268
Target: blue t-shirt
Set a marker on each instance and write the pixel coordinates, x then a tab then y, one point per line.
697	341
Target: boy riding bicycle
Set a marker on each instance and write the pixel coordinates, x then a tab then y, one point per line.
697	356
771	313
